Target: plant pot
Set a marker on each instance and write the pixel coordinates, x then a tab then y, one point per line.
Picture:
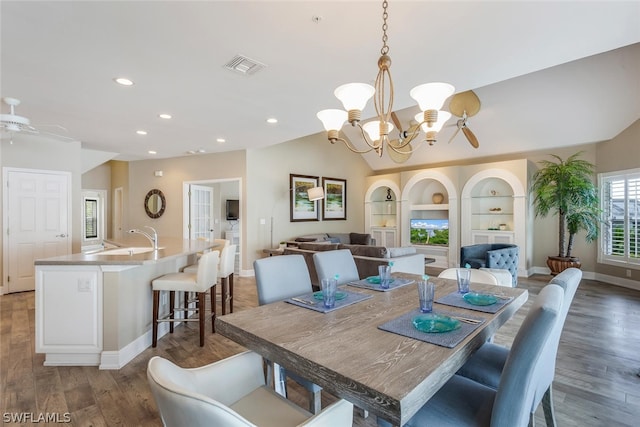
558	264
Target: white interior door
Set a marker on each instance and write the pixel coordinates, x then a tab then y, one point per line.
201	212
37	222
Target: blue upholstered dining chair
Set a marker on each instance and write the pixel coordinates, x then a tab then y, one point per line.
492	255
486	365
340	262
464	402
278	278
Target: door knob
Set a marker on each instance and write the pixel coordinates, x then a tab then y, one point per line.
61	235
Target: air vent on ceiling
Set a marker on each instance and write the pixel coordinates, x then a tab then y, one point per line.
243	65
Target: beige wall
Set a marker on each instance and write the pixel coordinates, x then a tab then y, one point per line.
176	171
268	172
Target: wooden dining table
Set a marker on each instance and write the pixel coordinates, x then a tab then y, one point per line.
345	352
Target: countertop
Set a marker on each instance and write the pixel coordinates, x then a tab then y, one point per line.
171	247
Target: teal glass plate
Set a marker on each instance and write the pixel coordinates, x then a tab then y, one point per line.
479	299
435	323
375	280
339	295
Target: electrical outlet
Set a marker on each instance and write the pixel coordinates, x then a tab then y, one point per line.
628	273
84	285
163	298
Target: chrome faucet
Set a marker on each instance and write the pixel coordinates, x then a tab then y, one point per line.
153	239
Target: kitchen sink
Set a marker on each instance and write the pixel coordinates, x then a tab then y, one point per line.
127	251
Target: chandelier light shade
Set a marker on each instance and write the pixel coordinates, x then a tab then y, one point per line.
332	119
374	131
354	97
431	96
436	126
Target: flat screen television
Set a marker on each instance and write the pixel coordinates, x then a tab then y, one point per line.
233	210
429	231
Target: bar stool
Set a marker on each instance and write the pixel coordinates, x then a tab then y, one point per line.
200	282
225	273
226	269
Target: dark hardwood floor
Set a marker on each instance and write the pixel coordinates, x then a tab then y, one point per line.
596	382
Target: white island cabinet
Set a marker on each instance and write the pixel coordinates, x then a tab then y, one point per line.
96	309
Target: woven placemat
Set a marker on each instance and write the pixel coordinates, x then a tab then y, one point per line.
403	325
455	299
318	305
397	283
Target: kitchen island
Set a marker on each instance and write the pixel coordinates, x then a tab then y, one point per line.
95	309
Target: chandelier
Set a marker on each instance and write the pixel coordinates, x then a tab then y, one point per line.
354	96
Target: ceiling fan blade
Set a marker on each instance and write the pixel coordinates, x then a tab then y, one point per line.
460	124
454	134
396	121
471	137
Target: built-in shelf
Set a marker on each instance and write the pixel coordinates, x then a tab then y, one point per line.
493	213
429	207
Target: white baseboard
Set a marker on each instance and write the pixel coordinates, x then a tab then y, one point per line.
612	280
68	359
247	273
618	281
117	359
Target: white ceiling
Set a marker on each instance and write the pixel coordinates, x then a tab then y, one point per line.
548	73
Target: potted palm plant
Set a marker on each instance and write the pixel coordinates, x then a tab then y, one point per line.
566	188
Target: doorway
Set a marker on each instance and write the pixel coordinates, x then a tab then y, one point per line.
204	211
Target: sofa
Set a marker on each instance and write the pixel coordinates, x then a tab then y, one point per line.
366	257
344	238
492	256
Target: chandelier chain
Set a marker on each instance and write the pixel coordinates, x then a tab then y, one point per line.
385	15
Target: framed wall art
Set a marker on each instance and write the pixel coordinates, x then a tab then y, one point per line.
302	209
334	204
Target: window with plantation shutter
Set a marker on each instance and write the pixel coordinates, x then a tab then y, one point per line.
620	203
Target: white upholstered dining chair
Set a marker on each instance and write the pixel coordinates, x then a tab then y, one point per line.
477	276
230	393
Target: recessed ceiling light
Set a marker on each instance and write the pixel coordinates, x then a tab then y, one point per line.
152	152
141	132
272	120
164	116
123	81
221	140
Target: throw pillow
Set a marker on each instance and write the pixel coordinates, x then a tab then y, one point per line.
360	239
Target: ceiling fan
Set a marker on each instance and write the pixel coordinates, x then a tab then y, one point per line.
465	105
12	123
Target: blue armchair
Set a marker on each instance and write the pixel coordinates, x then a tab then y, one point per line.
492	255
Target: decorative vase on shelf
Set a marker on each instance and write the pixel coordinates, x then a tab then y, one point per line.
437	198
